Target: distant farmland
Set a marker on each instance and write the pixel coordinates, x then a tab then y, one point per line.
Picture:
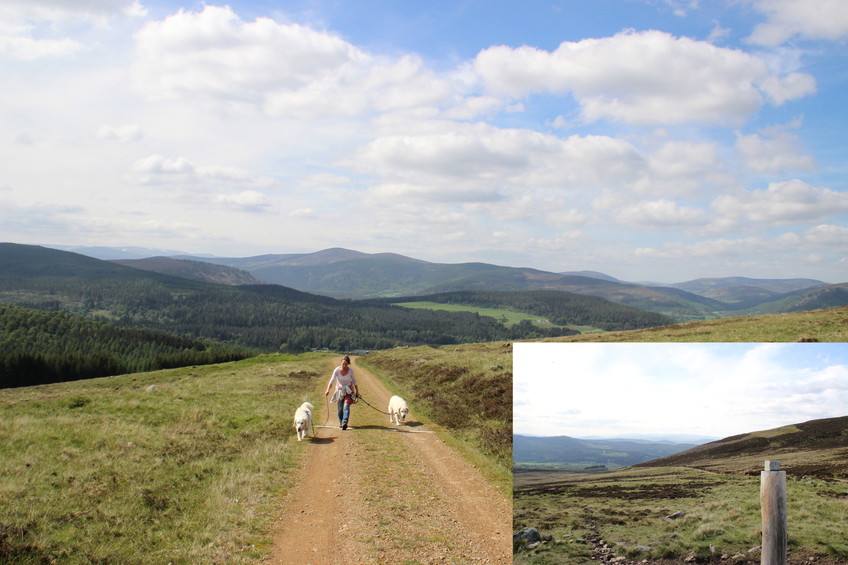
506	317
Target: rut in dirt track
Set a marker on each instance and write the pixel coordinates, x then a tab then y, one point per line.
380	493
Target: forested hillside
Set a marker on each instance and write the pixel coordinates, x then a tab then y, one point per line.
193	270
265	317
38	347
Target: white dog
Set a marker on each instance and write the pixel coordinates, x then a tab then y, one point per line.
397	409
303	421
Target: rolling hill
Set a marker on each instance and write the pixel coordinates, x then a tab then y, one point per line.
268	317
722	287
564	452
826	296
344	273
348	274
816	447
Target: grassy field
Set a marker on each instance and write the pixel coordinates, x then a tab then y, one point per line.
507	317
177	466
629	510
829	324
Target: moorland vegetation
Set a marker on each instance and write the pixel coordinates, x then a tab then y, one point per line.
698	506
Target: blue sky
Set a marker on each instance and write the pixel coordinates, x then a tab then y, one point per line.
703	389
652	140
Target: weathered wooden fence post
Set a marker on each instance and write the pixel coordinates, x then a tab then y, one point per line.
773	508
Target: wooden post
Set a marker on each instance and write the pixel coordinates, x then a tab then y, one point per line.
773	508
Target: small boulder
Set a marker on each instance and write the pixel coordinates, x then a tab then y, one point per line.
530	535
526	538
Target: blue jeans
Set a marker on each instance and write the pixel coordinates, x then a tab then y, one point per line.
344	411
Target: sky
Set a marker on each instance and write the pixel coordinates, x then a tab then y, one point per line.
651	140
711	390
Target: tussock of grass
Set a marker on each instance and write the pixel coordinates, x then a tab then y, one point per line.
181	466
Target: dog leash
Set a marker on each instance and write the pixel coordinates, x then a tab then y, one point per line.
377	409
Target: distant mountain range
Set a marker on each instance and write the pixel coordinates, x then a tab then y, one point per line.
208	301
814	448
347	274
574	454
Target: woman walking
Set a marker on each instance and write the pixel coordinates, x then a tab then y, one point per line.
347	391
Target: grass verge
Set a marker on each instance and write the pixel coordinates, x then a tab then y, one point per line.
464	388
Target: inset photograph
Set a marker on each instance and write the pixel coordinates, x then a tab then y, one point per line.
680	453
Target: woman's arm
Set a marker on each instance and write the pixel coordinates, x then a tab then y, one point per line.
330	384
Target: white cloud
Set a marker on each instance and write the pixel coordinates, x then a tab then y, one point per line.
99	11
159	170
215	53
786	252
303	213
828	235
712	249
156	169
660	214
50	222
25	48
643	78
36	29
248	201
280	69
682	167
478	162
787	19
123	133
773	151
783	203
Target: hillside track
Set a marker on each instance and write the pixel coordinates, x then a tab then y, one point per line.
384	494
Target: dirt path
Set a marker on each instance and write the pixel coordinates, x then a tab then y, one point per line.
380	493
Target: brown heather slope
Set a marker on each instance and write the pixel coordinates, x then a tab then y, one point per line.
815	448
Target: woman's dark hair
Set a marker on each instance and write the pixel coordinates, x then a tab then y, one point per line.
346	358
